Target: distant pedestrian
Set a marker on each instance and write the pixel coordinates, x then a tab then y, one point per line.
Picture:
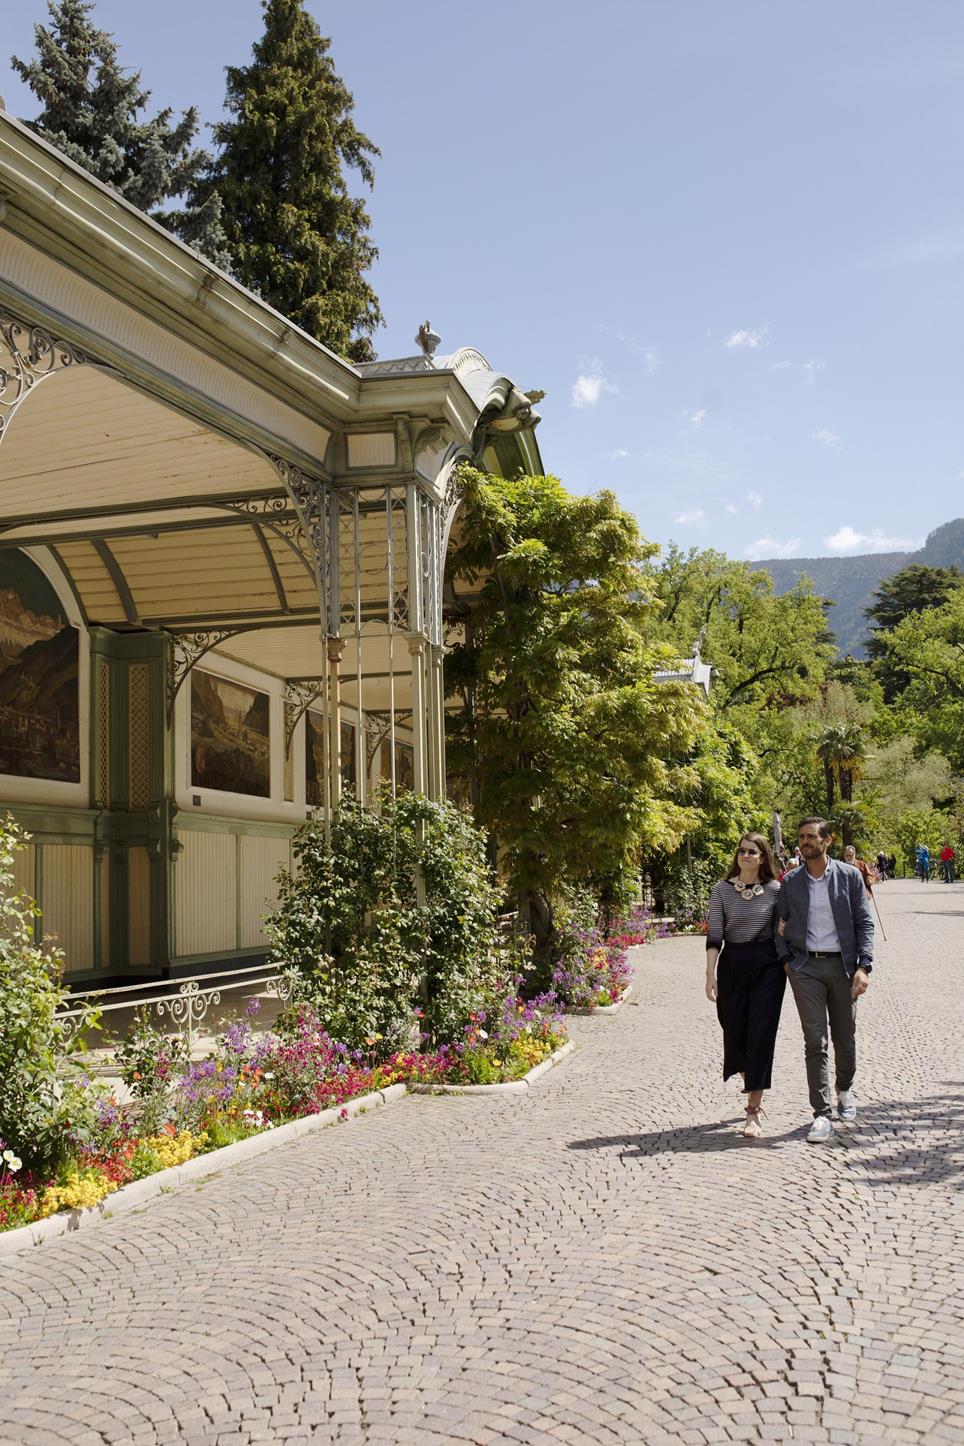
892	866
922	856
947	863
866	872
829	931
883	866
744	970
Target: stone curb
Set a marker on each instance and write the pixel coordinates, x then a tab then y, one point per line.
129	1197
515	1087
201	1167
606	1008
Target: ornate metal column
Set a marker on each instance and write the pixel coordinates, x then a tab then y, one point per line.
336	648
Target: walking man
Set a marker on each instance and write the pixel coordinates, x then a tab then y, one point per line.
866	873
829	930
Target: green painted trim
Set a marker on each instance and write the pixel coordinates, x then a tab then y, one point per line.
55	824
255	954
215	823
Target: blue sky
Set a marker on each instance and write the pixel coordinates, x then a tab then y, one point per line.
727	239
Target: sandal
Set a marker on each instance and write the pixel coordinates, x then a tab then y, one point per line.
752	1129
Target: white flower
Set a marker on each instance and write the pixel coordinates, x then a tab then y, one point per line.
482	1034
9	1156
268	1074
11	1160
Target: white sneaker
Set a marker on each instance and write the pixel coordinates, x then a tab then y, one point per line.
846	1105
820	1130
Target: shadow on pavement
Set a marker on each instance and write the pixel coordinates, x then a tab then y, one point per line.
702	1139
913	1142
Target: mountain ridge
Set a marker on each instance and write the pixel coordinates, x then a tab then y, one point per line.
851	581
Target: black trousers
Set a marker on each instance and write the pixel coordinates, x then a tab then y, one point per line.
750	981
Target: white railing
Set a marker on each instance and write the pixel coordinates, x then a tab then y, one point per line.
189	1005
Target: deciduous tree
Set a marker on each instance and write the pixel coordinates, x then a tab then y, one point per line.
575	751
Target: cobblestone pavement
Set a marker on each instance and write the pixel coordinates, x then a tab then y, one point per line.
603	1260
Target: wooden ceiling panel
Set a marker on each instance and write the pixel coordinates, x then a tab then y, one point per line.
85	438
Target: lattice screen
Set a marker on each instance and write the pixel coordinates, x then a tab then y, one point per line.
103	771
139	735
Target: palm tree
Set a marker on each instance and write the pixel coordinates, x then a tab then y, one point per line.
840	749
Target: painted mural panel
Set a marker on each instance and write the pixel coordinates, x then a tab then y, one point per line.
404	765
230	736
315	757
39	676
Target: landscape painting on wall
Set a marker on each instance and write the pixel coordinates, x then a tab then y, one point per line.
315	757
230	736
39	676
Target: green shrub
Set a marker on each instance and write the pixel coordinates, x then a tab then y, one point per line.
686	890
43	1103
389	918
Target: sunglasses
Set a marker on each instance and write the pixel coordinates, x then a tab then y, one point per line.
751	853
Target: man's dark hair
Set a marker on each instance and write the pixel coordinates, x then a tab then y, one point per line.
823	827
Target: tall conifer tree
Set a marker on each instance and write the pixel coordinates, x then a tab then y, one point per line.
90	109
297	236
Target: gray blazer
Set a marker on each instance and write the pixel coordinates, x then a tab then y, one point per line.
851	914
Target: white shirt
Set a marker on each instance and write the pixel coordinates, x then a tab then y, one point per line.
821	929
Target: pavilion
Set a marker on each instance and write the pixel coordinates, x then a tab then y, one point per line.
222	553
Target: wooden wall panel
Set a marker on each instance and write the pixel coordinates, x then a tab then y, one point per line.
205	884
139	907
24	870
67	889
261	858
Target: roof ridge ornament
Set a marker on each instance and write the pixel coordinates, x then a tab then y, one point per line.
427	339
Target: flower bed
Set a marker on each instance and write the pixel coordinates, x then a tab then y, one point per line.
595	972
251	1084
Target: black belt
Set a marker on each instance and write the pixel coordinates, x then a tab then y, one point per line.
824	953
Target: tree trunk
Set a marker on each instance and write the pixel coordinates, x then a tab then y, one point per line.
829	780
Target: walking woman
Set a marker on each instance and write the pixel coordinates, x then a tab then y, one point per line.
745	976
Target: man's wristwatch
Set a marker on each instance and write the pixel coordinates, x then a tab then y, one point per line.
868	968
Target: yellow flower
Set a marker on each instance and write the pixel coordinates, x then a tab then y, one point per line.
78	1193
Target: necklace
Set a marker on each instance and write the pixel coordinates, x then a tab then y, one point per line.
747	891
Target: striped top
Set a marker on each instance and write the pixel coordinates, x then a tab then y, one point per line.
736	920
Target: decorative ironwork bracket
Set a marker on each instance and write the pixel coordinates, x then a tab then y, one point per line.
28	356
187	651
312	502
298	698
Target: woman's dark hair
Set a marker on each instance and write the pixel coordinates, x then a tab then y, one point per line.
768	869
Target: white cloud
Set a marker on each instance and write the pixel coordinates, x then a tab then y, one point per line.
590	383
697	518
810	371
769	547
755	500
848	539
780	366
748	338
828	438
730	507
697	419
618	453
651	361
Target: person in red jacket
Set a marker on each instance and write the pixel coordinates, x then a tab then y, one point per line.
947	863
